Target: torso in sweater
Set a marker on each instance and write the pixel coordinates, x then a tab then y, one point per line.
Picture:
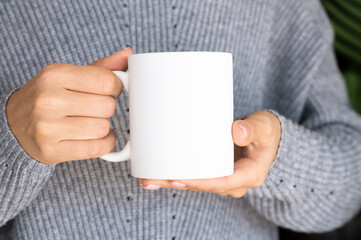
94	199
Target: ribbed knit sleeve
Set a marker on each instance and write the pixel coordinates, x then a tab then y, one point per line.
314	184
21	177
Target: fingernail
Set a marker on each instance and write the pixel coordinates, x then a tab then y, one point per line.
244	129
152	187
178	184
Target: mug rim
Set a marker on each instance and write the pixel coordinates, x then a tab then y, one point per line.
179	53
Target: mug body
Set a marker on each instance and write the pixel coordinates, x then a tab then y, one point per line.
181	114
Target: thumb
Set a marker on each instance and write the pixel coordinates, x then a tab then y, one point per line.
244	132
116	61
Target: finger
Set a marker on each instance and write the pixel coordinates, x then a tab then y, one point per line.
83	149
87	105
244	132
82	128
215	185
89	79
150	184
116	61
246	174
257	127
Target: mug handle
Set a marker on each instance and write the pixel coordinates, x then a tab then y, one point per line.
124	154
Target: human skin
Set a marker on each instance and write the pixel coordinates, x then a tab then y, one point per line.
62	113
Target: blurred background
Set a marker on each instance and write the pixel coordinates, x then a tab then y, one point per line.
345	16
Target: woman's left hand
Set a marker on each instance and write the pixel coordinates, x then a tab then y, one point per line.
256	141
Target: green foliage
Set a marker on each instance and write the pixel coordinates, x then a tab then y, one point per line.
345	16
353	81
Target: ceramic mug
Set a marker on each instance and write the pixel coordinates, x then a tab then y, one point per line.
180	113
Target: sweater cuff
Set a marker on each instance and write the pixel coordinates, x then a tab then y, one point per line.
287	168
292	149
12	155
282	146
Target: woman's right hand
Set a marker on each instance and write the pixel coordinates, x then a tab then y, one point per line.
62	113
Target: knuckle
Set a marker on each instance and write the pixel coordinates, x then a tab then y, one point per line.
46	75
46	151
93	149
103	127
106	82
266	119
45	101
41	128
108	106
38	105
37	138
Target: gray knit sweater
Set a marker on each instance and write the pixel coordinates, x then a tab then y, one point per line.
282	61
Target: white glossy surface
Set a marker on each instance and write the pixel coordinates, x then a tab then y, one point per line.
181	114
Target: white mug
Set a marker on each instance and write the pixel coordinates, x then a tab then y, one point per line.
181	114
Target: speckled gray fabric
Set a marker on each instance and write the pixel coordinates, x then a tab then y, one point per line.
282	62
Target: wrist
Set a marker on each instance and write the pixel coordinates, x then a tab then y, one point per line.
276	125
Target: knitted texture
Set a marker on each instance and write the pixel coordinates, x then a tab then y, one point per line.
283	62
